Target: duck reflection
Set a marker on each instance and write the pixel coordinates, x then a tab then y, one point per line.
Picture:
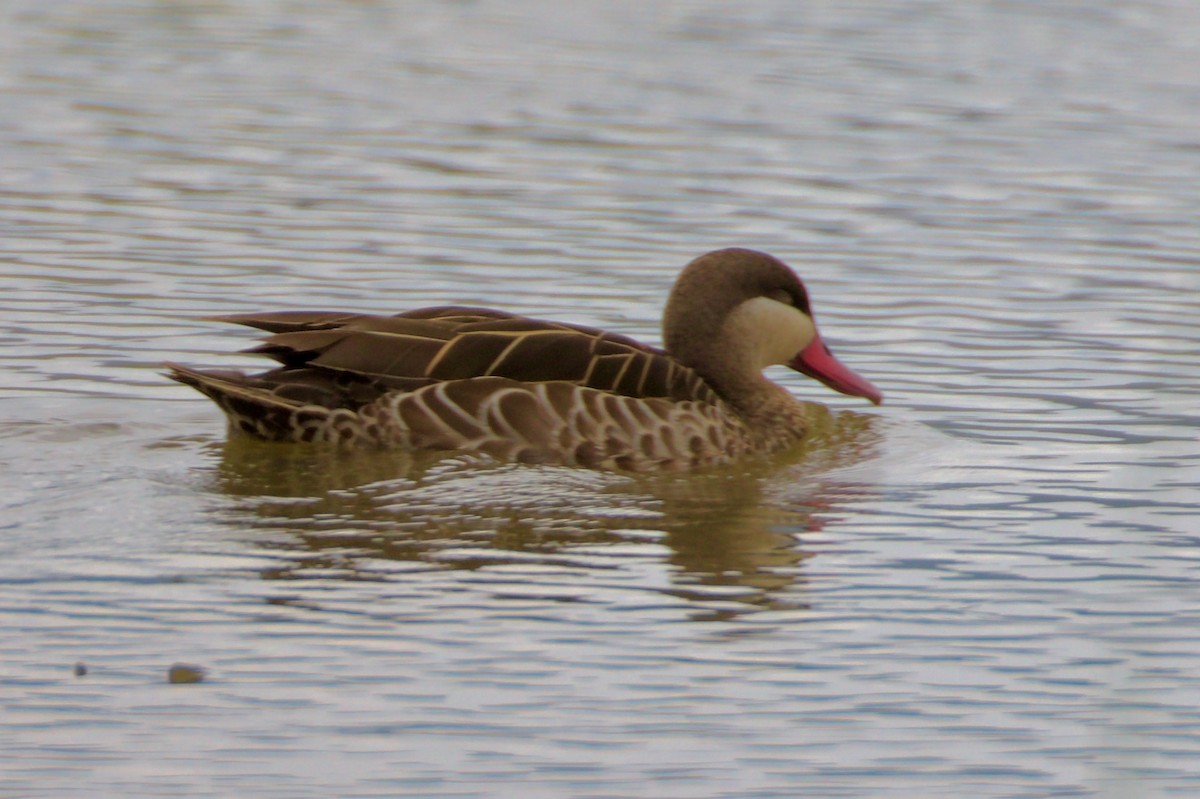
731	538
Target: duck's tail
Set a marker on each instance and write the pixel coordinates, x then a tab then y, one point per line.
252	409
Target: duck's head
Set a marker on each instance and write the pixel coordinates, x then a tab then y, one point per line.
734	312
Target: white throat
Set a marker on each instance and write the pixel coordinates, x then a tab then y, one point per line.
768	332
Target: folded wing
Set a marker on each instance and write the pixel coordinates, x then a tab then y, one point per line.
348	360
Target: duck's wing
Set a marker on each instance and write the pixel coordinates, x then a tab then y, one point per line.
322	351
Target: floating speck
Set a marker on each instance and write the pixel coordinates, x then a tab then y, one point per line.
182	673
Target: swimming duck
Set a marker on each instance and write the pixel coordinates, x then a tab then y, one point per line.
474	379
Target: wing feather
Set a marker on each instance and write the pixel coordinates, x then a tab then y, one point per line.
349	360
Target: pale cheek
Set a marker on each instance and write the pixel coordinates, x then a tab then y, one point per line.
785	333
803	331
770	331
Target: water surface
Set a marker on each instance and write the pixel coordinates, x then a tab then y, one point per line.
987	587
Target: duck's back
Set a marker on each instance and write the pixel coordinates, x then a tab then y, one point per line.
430	345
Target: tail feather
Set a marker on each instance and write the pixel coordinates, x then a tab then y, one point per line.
254	410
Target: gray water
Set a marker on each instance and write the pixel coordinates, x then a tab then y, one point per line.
988	587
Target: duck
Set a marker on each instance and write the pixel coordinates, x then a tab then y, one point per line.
467	379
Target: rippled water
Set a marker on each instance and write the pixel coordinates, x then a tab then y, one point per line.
990	586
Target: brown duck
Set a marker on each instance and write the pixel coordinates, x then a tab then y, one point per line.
472	379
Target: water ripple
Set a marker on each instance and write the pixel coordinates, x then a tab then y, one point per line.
986	587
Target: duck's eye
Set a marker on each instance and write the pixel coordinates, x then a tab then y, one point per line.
779	295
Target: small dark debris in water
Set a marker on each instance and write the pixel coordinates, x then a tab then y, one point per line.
183	673
80	669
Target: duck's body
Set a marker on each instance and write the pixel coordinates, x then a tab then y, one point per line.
453	378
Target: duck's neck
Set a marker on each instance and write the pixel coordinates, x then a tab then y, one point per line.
768	410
